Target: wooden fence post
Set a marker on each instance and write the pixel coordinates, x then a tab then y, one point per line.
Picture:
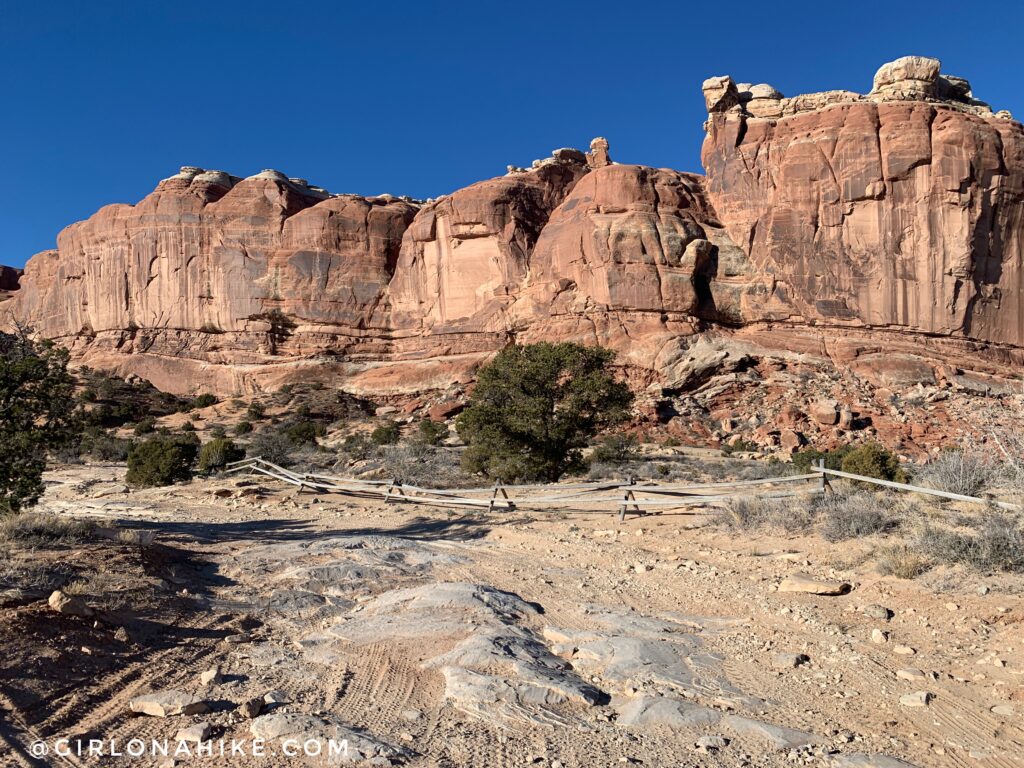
626	498
498	486
394	489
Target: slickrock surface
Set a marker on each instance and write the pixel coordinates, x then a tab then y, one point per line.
879	232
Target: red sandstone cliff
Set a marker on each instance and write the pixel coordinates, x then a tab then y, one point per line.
881	230
899	209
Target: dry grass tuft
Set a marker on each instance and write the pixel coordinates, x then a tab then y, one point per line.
40	529
900	561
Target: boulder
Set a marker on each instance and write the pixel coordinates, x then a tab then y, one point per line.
908	76
720	94
69	605
825	412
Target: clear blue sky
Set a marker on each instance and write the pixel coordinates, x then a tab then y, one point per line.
100	99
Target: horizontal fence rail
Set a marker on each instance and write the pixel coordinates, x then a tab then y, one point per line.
822	471
622	496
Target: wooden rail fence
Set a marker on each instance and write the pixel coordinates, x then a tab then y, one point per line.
622	496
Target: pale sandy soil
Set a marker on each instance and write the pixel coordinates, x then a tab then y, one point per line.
659	610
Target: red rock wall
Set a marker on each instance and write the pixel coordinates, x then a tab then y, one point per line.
896	214
887	218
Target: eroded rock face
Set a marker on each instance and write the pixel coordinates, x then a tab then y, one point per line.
892	210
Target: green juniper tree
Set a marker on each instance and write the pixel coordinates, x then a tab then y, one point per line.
536	406
38	414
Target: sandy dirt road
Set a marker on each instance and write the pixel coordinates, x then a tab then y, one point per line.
437	638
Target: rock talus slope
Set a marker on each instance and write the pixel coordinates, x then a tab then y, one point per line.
840	225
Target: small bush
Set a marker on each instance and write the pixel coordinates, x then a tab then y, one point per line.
305	432
30	529
145	427
217	431
615	449
958	471
808	457
272	446
256	411
162	460
387	433
188	426
900	561
853	515
217	454
204	400
243	428
741	446
431	432
873	460
104	446
358	447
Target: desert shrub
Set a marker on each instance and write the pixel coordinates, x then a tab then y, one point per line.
536	406
614	449
32	529
204	400
256	411
997	544
873	460
741	446
243	428
304	432
145	426
752	512
217	431
671	441
102	445
162	460
900	561
217	454
853	515
387	433
358	447
188	426
38	415
959	471
275	447
430	432
803	460
416	463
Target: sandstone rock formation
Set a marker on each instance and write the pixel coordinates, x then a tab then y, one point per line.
878	232
893	210
9	279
